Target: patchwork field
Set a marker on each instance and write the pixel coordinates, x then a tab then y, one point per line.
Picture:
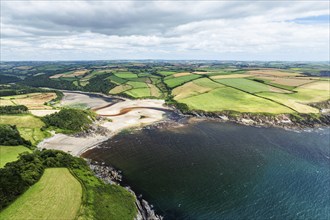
136	86
273	72
274	95
57	195
31	100
287	87
28	126
226	98
10	153
308	93
245	85
293	82
70	74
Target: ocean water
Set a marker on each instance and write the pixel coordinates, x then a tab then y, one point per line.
211	170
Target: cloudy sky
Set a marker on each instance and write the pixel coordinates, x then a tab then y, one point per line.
218	30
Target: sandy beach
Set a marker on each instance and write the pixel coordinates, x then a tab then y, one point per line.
119	116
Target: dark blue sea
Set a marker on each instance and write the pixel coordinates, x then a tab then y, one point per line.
211	170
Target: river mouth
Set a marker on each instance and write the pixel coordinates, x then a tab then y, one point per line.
212	170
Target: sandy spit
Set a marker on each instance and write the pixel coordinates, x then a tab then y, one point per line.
136	117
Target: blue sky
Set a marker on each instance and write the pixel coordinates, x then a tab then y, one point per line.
321	19
217	30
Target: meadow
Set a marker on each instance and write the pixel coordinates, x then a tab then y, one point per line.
11	153
57	195
28	125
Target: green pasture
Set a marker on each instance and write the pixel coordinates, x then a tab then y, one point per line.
57	195
176	81
10	153
226	98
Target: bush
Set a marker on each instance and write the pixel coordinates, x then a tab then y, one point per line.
10	136
13	109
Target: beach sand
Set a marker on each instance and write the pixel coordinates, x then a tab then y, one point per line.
136	113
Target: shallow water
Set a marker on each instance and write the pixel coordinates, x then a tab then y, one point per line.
210	170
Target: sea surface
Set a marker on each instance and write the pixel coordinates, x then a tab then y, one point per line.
213	170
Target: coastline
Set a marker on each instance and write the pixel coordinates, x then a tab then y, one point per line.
284	121
119	116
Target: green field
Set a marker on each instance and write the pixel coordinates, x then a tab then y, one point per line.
245	85
136	85
10	153
29	126
120	89
57	195
139	92
176	81
126	75
166	73
226	98
117	80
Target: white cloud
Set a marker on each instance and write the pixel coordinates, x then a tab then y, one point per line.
163	30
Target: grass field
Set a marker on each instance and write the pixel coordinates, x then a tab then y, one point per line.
273	72
136	85
205	82
76	73
166	73
292	81
139	92
31	100
190	89
126	75
308	93
28	126
230	76
245	85
117	80
154	91
226	98
57	195
10	153
176	81
181	74
120	89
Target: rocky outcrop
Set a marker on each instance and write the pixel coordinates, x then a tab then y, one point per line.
287	121
112	176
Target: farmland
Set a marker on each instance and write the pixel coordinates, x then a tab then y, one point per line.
34	101
56	186
283	88
29	126
10	153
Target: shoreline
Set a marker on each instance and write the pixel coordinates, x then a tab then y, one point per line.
136	114
283	121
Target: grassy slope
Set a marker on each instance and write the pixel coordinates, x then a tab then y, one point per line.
245	85
57	195
28	126
104	201
126	75
226	98
10	153
176	81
